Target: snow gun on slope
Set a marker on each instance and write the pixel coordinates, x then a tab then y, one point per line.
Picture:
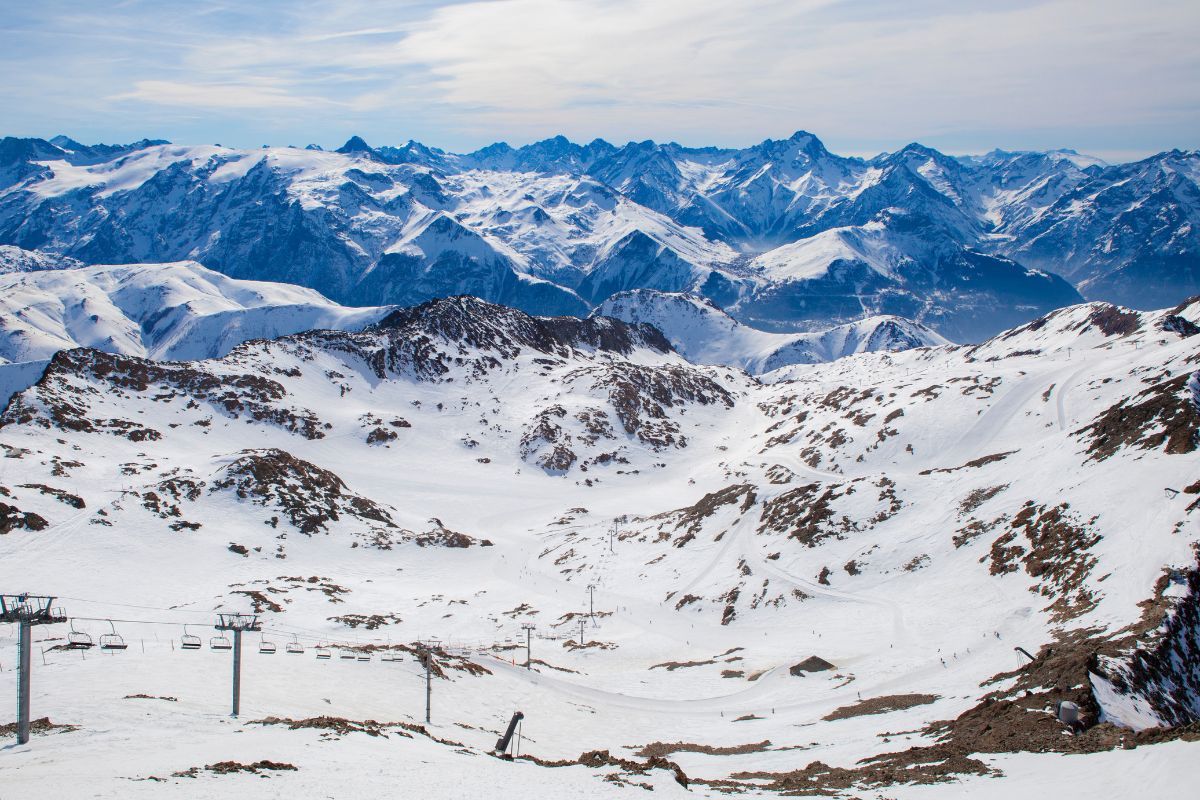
503	742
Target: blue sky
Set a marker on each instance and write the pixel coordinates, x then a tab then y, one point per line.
1116	79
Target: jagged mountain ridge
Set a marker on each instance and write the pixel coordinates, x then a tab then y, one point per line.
556	227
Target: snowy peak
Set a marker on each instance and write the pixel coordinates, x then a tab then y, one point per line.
355	145
639	261
556	155
1097	325
800	146
704	334
444	258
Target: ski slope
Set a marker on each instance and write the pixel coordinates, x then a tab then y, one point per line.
716	582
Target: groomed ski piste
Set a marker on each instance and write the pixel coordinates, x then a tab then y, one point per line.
461	470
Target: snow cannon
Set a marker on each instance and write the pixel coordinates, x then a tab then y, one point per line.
503	742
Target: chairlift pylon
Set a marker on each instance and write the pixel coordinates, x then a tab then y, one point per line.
78	640
112	641
189	641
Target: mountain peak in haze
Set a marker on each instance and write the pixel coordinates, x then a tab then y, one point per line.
355	144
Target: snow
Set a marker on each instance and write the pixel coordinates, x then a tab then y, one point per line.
942	628
164	311
15	259
704	334
812	257
790	208
127	172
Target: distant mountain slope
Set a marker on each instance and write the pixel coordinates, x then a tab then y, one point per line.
785	235
15	259
162	311
704	334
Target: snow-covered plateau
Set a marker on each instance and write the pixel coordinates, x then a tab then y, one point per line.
876	576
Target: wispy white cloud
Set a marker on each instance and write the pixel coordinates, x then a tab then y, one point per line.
865	74
219	95
719	66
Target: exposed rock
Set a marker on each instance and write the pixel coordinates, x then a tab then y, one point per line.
13	518
309	496
811	664
1161	417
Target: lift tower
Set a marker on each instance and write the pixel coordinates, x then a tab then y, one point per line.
528	628
237	623
26	611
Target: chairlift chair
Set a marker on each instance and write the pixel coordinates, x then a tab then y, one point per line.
220	643
78	640
112	641
294	647
189	641
348	655
323	653
364	656
266	647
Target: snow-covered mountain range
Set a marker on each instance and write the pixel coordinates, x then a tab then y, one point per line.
460	468
183	311
784	236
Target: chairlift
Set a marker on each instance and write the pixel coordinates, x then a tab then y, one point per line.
348	655
294	647
266	647
189	641
323	653
364	656
78	640
220	643
112	641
